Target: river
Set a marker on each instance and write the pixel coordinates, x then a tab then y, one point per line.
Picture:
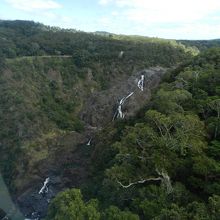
7	204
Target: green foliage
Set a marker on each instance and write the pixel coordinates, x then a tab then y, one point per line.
173	213
2	62
176	140
162	164
69	205
214	205
113	213
38	98
201	44
47	75
81	58
24	38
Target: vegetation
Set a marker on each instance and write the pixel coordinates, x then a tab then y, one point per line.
24	38
37	97
70	205
201	44
164	164
46	75
161	164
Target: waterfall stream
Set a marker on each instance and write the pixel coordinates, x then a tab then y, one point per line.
141	83
119	113
44	188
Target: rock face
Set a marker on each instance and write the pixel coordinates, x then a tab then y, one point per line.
100	107
68	165
33	204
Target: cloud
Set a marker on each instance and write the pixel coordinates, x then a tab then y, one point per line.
163	16
191	31
104	2
59	20
155	11
32	5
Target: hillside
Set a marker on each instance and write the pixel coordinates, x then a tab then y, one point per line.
60	88
25	38
164	162
201	44
104	126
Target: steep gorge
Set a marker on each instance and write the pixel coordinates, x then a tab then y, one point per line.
63	155
56	97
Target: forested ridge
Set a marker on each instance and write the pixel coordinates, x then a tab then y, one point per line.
164	163
201	44
25	38
161	163
42	95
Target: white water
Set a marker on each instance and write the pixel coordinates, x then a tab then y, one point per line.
119	113
121	54
141	83
44	189
89	142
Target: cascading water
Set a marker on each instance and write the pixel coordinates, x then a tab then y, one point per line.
44	189
141	83
89	142
119	113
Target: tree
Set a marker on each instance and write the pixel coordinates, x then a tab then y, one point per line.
215	106
214	206
2	61
114	213
172	213
69	205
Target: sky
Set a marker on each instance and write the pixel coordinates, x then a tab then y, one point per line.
171	19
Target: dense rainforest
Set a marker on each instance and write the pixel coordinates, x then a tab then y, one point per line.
43	91
201	44
161	162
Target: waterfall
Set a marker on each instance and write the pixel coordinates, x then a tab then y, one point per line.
44	189
121	54
119	113
141	83
89	142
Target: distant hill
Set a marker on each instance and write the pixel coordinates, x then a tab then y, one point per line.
103	33
27	38
201	44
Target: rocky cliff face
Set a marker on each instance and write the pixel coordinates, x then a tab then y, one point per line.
100	107
68	159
